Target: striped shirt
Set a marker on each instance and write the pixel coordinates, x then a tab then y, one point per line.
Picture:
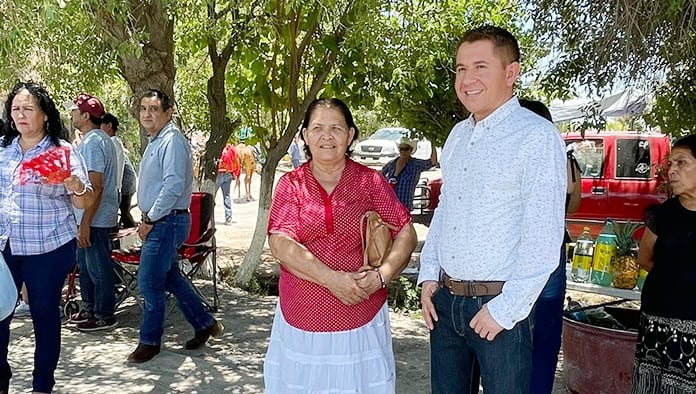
35	218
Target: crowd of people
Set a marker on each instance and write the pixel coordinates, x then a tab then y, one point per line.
48	222
492	289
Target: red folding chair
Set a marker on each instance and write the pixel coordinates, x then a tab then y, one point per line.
198	251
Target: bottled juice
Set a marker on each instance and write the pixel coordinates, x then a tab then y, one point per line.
604	251
582	257
641	278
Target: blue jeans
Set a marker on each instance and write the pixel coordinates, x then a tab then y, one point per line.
224	182
97	283
548	324
159	273
44	276
505	362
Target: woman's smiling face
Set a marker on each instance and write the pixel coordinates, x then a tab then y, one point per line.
327	135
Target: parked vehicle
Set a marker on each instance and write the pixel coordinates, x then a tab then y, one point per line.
621	176
383	144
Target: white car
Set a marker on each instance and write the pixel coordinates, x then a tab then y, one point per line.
383	144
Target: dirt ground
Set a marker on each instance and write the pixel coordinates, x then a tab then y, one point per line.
95	362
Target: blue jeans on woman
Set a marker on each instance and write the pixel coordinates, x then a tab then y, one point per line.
44	276
159	273
548	324
505	362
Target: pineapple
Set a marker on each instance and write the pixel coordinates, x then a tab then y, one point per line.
624	264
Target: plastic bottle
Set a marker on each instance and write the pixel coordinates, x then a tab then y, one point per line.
582	257
605	250
641	278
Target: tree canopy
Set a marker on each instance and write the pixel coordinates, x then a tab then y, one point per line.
601	44
228	63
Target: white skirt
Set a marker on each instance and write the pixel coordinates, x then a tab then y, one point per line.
354	361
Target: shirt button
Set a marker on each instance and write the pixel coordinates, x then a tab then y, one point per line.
472	143
464	169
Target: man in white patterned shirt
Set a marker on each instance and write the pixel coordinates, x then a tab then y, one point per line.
494	237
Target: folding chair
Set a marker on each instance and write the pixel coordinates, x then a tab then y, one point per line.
199	248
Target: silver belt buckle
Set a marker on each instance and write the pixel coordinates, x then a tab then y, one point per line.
472	289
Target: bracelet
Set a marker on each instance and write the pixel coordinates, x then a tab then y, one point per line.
381	278
82	193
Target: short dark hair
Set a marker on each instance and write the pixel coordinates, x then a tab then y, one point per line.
537	107
329	103
687	142
163	98
503	41
110	119
53	126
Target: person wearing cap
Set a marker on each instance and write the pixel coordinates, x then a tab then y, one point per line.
98	221
404	171
167	171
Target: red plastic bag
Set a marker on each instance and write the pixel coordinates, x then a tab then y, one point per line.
51	167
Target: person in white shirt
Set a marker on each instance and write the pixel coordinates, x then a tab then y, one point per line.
493	240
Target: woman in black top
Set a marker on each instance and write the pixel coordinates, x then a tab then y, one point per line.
666	352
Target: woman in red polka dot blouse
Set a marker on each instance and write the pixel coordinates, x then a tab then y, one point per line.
331	329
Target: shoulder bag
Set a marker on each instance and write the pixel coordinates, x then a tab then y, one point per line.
376	238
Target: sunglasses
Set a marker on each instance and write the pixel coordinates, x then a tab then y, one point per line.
404	148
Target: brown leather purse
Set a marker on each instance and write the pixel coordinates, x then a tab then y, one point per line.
376	238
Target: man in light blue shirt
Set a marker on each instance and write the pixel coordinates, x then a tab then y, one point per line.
164	197
97	222
493	240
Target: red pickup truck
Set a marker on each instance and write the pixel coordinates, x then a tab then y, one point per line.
620	176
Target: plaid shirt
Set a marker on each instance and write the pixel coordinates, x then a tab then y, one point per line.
406	181
36	218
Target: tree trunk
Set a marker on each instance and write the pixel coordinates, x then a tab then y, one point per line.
154	67
253	255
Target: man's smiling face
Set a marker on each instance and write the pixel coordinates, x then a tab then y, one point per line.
484	77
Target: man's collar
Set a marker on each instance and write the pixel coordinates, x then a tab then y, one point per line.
497	115
167	127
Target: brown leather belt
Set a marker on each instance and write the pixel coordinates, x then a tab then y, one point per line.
471	288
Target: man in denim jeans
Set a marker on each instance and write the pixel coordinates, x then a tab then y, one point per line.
494	237
167	171
96	223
